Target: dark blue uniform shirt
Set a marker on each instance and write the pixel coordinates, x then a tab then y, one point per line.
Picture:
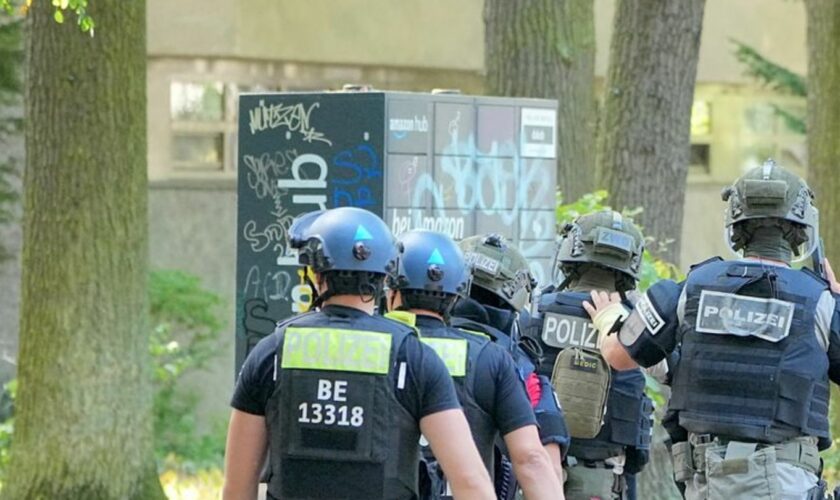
496	387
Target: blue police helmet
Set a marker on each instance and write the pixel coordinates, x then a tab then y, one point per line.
344	239
431	262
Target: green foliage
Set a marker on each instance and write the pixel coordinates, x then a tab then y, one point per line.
184	337
77	7
7	426
773	75
776	77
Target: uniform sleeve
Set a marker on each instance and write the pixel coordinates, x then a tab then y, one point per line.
650	332
255	383
834	344
499	391
550	417
428	388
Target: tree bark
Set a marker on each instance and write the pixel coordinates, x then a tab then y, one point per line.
83	426
824	117
644	141
546	49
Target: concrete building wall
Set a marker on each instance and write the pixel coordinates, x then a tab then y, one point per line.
774	27
423	34
436	34
193	228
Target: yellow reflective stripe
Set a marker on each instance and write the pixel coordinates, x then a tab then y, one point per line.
336	350
453	352
480	334
404	317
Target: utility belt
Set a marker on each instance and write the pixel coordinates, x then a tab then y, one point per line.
690	456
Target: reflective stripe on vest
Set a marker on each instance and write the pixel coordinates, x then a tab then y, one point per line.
480	334
453	352
334	349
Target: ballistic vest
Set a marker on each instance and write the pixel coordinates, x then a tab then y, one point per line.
523	362
460	351
751	367
335	426
563	323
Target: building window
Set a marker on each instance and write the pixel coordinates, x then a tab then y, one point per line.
701	137
698	160
201	120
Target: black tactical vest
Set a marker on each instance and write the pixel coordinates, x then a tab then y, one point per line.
336	429
751	367
460	351
563	322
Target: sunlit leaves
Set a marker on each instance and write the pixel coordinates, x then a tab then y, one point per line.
62	8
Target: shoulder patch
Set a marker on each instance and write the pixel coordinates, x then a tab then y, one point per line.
650	316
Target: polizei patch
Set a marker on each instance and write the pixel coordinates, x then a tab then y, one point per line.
651	318
730	314
483	262
562	331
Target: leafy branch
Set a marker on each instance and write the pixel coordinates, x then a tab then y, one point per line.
77	7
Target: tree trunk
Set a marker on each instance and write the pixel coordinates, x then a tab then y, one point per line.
824	118
546	49
83	426
644	141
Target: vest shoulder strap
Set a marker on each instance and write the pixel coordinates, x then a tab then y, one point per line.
705	262
816	277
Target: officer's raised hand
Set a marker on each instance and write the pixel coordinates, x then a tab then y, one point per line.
607	312
829	275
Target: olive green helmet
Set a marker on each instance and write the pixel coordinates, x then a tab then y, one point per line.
605	239
771	194
499	268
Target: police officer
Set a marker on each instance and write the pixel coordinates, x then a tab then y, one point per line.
338	397
500	293
759	342
607	412
432	275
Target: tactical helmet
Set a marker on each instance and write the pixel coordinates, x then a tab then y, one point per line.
344	239
499	268
432	262
431	273
605	239
769	194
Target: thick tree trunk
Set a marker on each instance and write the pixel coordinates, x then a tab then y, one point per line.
546	49
644	141
83	425
824	117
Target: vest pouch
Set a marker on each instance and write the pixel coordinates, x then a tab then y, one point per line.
584	483
736	476
582	382
683	463
336	426
625	418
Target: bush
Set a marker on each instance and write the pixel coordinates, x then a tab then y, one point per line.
184	336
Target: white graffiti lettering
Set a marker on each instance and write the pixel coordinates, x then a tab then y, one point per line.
292	117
